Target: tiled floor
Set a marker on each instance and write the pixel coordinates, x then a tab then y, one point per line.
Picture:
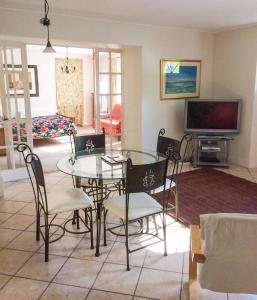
73	271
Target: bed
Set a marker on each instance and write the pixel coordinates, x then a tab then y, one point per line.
47	127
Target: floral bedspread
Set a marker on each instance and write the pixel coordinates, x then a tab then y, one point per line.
47	127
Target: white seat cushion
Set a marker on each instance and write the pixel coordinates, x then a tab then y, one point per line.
67	200
168	184
140	205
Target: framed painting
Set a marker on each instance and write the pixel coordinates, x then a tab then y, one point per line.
180	79
15	80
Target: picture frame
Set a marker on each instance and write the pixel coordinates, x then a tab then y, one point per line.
179	79
16	79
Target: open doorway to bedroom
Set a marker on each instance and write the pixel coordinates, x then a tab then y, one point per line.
81	85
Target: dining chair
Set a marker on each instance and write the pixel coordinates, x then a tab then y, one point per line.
49	205
137	204
176	152
167	145
89	144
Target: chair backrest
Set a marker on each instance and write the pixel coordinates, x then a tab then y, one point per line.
24	149
145	178
88	143
167	146
116	109
34	162
185	149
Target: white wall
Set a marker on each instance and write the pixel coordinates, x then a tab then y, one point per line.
235	76
155	42
45	104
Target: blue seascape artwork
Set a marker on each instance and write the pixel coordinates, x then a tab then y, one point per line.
180	79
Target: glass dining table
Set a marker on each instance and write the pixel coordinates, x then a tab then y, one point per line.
101	166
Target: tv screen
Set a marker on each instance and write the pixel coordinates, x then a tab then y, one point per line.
212	116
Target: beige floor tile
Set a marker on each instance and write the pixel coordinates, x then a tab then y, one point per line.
9	192
19	222
242	173
26	242
12	260
73	227
159	284
7	235
78	272
65	181
32	227
3	280
141	298
4	217
118	255
115	278
83	251
193	291
53	229
63	247
54	174
65	215
172	262
22	186
22	289
29	209
62	292
102	295
52	180
11	206
37	268
253	174
23	196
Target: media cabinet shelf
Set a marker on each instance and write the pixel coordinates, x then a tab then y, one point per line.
211	150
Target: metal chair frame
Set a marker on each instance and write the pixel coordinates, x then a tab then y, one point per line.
39	188
135	175
166	146
172	148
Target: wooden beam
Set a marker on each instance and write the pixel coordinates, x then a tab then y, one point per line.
195	252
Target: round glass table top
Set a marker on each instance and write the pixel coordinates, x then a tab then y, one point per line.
105	163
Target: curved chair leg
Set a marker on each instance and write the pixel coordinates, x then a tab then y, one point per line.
46	240
77	217
127	246
37	224
164	234
105	214
176	203
91	229
155	225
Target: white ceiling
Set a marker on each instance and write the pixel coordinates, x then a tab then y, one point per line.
209	15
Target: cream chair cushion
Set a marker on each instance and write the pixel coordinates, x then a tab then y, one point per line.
67	200
168	184
140	205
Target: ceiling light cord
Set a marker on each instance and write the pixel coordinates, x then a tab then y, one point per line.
46	22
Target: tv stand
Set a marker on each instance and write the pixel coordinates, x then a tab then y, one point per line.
211	150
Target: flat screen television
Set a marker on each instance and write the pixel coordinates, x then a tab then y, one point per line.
212	117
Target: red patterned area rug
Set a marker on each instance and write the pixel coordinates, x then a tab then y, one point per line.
207	190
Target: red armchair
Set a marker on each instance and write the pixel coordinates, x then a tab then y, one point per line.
115	128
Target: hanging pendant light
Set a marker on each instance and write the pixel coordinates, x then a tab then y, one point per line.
67	67
46	22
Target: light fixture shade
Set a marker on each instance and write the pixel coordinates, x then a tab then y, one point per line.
49	48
